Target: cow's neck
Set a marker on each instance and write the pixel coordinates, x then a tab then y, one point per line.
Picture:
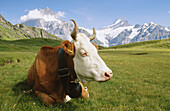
66	61
66	73
70	65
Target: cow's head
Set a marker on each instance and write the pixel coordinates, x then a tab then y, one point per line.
87	63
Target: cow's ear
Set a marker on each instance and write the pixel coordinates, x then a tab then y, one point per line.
96	46
68	47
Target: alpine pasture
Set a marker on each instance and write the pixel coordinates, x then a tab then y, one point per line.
141	78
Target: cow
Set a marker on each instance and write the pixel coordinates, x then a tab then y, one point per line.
82	64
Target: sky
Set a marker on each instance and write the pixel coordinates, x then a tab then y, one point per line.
92	13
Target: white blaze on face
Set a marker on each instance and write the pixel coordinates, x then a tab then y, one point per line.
87	63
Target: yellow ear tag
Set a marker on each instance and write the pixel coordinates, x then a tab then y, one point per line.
70	50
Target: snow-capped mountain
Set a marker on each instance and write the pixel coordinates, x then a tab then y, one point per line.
131	33
49	21
121	22
60	29
120	32
167	28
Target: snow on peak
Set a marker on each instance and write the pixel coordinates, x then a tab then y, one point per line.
47	14
152	23
118	23
145	24
120	20
48	11
167	28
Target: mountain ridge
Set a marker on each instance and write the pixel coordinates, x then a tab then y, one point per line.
118	23
120	32
9	31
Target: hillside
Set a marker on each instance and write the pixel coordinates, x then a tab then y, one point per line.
164	43
33	44
20	31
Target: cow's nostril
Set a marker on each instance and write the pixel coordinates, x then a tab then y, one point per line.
106	74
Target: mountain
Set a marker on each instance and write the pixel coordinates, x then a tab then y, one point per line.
120	32
60	29
54	26
20	31
121	22
126	33
167	28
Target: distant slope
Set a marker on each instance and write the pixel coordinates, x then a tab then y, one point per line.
164	43
33	44
20	31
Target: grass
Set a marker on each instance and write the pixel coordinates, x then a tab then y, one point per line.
28	45
141	80
165	43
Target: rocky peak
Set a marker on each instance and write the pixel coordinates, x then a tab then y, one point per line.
48	11
167	28
121	22
152	23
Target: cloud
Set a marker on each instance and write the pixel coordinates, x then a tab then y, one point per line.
46	14
61	14
32	14
168	11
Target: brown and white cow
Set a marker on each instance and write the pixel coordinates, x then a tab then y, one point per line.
83	62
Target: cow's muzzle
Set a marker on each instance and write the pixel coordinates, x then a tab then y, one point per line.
108	75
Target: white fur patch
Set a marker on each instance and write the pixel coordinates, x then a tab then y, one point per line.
88	65
67	98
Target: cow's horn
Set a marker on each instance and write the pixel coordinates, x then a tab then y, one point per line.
93	36
75	30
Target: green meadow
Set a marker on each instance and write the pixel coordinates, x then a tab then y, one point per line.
141	78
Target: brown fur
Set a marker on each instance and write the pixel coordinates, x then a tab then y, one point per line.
43	74
68	47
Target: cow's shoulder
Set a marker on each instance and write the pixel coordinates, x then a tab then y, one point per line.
48	51
47	58
49	48
46	63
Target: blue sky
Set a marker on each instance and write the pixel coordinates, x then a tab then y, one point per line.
93	13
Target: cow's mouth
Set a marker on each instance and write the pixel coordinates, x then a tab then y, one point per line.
104	80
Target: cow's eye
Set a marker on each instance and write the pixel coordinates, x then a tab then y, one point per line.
83	52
